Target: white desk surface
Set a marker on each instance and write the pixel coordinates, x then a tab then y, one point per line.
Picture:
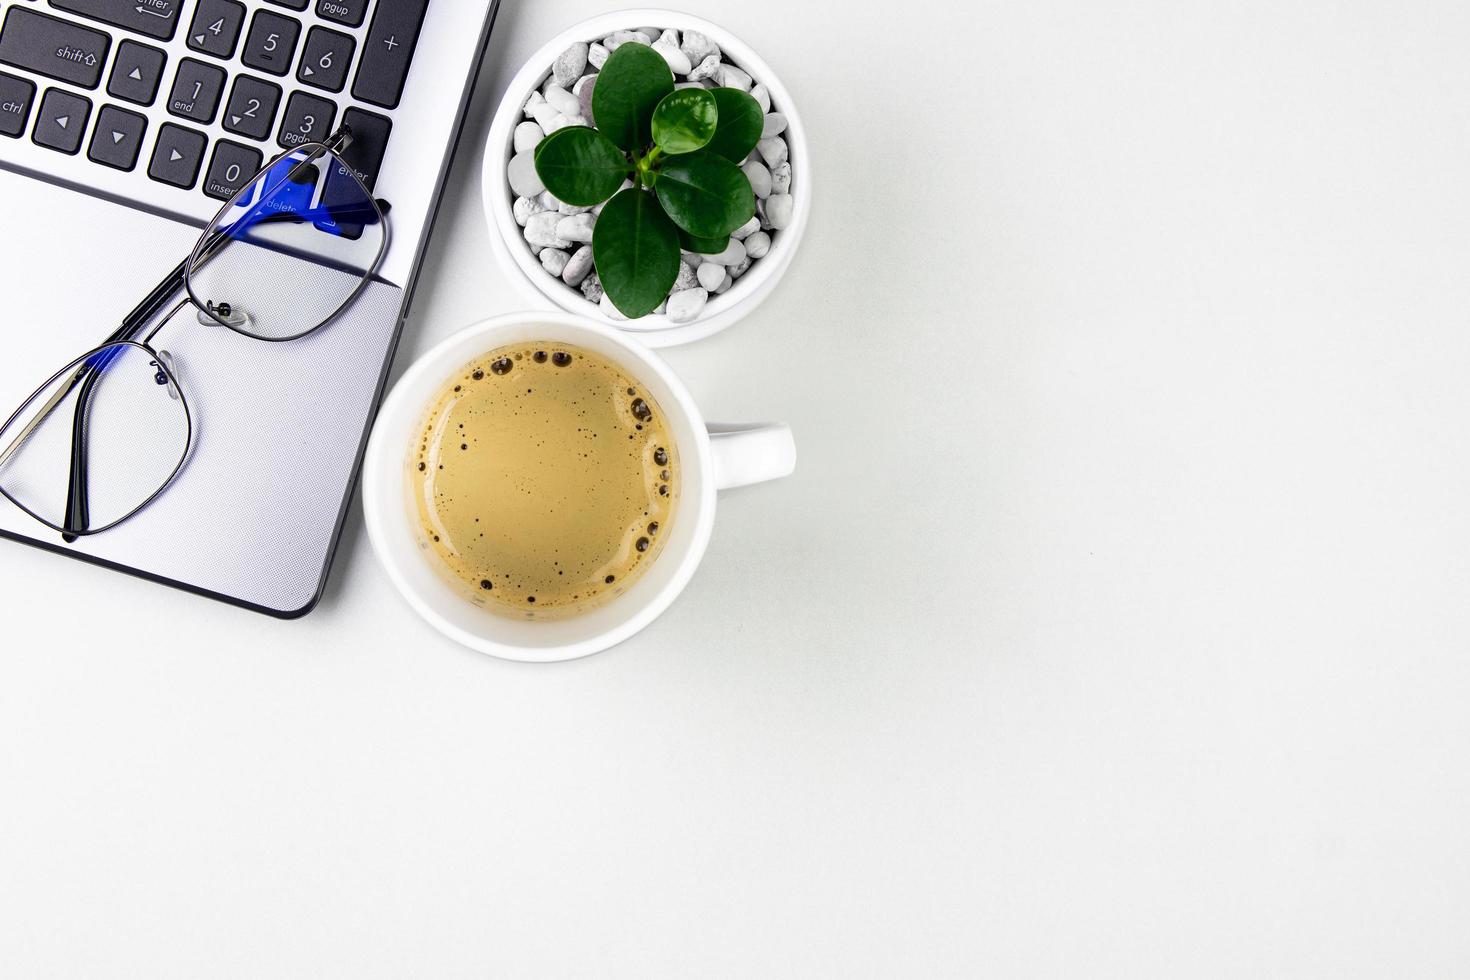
1115	624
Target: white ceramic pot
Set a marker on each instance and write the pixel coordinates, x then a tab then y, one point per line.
712	457
507	237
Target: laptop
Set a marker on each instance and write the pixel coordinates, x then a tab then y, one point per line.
124	127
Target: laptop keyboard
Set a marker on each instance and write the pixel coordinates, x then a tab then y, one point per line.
272	78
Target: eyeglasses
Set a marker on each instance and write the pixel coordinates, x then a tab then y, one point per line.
285	256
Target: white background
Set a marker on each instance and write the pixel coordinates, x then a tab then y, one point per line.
1114	624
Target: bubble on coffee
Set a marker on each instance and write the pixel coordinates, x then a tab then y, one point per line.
545	480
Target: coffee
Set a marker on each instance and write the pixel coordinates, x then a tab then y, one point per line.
545	479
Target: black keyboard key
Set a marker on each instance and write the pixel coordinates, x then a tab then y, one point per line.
216	27
369	142
293	4
136	72
308	119
196	91
251	110
177	156
117	138
155	18
61	120
53	47
349	12
271	44
388	50
16	97
326	59
231	169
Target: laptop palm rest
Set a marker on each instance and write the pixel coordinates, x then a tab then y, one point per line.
254	515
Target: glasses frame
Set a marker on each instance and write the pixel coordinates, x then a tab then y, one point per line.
150	310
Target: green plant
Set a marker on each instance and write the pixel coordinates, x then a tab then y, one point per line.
681	148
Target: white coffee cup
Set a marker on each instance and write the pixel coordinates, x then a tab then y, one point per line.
715	457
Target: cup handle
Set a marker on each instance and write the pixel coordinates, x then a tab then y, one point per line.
751	452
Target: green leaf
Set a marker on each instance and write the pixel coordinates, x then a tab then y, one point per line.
704	246
685	120
636	249
581	166
740	123
633	81
706	195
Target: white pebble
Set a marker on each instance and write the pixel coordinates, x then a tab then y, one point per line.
548	201
576	227
562	121
578	266
521	172
779	210
707	68
563	101
762	95
685	305
619	38
732	77
781	178
736	271
697	47
759	177
523	208
725	284
661	308
541	230
682	85
566	208
687	278
733	254
773	151
592	288
678	61
570	64
711	275
609	310
597	56
528	134
554	260
531	103
775	125
757	246
583	91
747	229
545	114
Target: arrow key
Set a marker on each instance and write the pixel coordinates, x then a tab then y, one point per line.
177	156
251	110
136	72
117	138
61	121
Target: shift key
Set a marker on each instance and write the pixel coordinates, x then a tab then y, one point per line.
156	18
55	48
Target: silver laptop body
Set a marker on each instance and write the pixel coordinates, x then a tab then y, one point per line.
255	515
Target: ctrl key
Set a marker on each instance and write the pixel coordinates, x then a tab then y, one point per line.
16	96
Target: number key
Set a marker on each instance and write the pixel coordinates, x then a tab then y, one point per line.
216	27
271	43
232	166
196	91
326	59
307	119
251	110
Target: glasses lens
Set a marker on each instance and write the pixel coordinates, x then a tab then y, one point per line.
291	250
97	442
